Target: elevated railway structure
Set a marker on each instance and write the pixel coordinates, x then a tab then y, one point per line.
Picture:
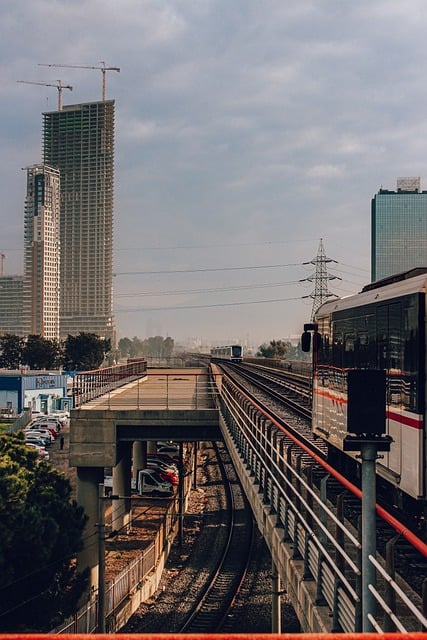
315	547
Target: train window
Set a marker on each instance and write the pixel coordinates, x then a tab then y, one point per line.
323	352
412	321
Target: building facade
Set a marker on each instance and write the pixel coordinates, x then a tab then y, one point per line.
41	392
79	141
11	294
42	252
398	229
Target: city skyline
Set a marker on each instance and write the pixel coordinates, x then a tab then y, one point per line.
243	136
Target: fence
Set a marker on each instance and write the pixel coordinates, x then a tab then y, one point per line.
85	620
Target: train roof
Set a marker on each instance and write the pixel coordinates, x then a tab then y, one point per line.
414	281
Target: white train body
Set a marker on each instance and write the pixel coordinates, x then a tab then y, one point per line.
382	328
232	352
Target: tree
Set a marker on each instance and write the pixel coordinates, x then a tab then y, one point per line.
11	348
40	533
41	353
168	345
85	351
276	349
125	346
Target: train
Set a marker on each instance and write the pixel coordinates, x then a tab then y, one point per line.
382	328
232	352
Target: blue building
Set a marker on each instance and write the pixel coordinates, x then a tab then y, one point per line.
398	229
44	392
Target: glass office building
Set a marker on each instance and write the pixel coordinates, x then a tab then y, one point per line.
398	229
79	141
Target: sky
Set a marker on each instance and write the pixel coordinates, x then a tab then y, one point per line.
247	132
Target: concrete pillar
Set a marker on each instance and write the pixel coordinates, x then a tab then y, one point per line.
139	457
88	480
151	446
121	486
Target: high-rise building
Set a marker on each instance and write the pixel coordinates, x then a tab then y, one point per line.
398	229
79	141
42	252
11	305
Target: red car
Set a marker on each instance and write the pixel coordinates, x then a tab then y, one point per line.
165	474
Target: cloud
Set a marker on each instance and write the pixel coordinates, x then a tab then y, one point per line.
238	125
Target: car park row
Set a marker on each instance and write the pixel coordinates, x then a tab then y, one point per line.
160	475
41	432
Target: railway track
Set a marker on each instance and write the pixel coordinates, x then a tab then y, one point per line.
410	564
217	597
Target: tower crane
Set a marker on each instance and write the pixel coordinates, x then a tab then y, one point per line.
2	259
103	69
58	85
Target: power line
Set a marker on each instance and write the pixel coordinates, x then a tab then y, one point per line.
205	306
208	270
265	285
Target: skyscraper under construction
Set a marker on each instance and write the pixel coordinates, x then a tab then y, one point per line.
79	141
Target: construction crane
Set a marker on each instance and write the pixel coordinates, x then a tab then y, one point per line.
103	69
58	85
2	259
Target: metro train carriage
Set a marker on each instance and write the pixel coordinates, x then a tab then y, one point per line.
381	328
234	353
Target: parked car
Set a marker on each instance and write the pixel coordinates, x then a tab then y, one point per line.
39	424
170	449
34	429
51	420
35	439
165	463
43	453
61	417
165	474
149	482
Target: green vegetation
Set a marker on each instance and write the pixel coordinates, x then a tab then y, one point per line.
82	352
276	349
156	346
85	351
40	533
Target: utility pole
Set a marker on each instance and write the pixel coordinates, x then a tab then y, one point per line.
320	278
103	70
58	85
101	560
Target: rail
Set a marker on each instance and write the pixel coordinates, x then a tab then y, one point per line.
329	550
155	390
88	385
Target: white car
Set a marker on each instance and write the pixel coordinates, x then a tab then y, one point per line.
43	454
33	430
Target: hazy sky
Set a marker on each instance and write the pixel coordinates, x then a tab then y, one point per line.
246	130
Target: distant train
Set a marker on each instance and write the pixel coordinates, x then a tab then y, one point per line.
233	352
382	328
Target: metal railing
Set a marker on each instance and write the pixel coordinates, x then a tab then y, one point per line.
329	549
164	391
88	385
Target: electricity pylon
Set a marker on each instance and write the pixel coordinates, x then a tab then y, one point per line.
320	278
